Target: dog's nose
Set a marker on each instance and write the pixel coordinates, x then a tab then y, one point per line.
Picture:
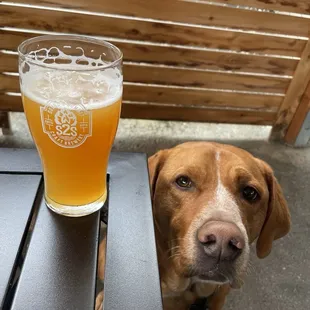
221	240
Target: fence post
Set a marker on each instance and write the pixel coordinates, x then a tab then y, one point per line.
5	124
294	94
298	133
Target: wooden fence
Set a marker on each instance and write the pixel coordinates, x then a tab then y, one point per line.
236	61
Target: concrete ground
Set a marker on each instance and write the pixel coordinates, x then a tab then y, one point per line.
279	282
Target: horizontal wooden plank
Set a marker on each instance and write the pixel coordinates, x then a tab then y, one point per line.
206	79
162	112
194	58
69	22
188	11
143	73
177	95
294	6
196	114
199	97
8	62
9	83
10	103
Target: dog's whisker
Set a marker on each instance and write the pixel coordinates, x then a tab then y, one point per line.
174	256
176	253
177	239
174	248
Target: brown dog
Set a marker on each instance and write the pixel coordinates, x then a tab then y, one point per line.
210	202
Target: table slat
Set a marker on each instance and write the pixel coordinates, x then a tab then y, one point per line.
59	271
17	195
20	161
131	272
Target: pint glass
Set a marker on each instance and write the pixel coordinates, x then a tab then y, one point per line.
71	90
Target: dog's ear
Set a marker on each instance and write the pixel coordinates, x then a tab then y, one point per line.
278	221
155	164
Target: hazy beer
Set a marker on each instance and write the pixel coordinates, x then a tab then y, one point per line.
72	111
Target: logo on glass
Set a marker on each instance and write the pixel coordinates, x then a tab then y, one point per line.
66	128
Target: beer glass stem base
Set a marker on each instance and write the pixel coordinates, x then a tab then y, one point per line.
76	211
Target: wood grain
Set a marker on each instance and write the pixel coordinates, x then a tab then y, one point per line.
199	97
202	59
177	95
143	73
8	62
196	114
10	103
69	22
189	12
294	6
298	118
293	96
146	111
193	78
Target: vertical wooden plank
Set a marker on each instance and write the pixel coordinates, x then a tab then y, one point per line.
5	124
293	96
298	132
303	138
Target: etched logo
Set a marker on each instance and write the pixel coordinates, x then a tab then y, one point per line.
66	128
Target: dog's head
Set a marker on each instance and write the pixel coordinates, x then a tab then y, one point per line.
211	201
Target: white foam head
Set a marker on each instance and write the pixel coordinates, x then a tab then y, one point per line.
70	85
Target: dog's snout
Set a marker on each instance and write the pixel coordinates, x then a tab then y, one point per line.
221	240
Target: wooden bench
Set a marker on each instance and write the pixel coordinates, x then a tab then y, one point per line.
233	61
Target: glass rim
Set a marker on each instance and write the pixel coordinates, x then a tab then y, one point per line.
61	37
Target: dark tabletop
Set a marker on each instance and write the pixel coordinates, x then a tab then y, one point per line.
48	261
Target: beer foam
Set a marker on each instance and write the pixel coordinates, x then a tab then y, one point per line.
77	86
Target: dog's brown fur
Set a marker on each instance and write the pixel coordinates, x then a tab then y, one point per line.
178	215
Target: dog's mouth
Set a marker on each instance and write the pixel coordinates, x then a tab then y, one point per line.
217	274
212	277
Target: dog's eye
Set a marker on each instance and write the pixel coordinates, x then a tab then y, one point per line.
184	181
250	193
